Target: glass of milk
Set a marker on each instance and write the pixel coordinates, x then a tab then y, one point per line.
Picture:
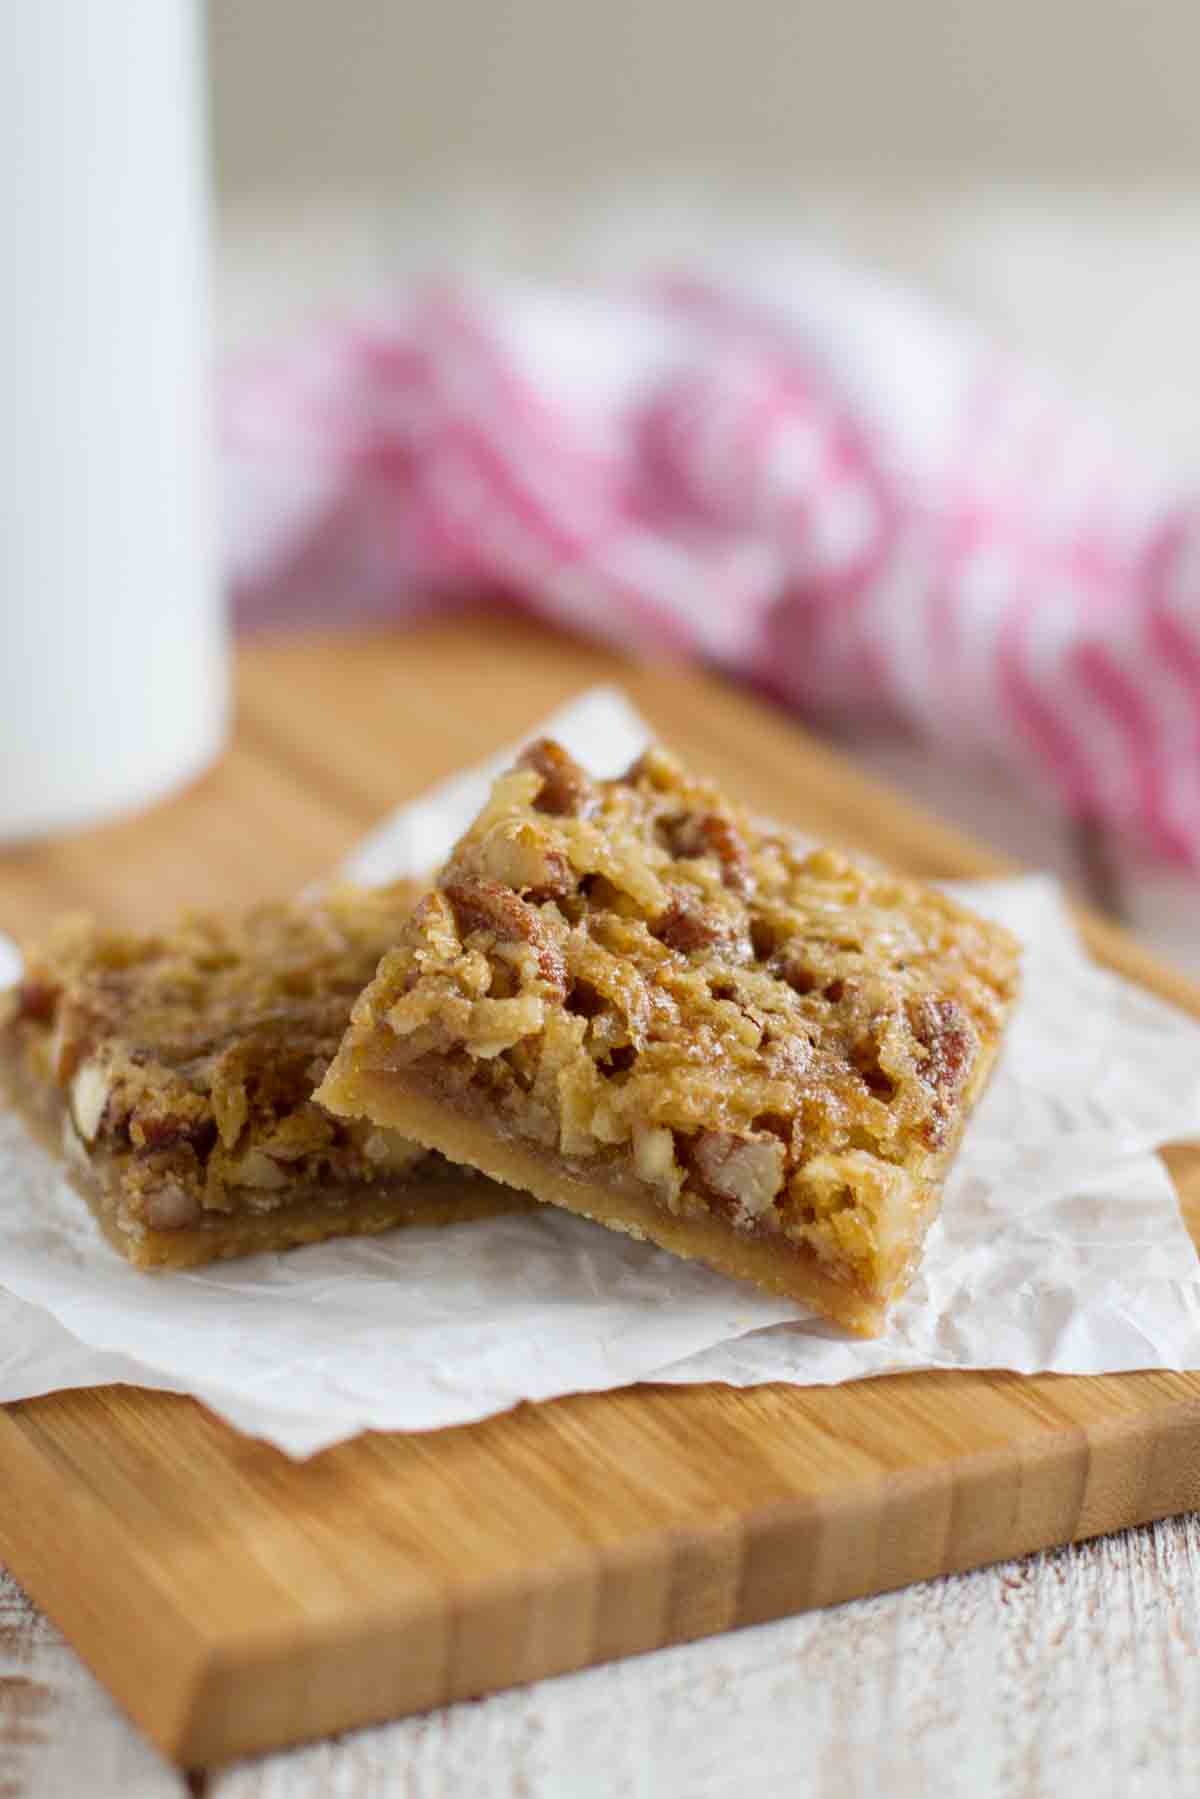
113	657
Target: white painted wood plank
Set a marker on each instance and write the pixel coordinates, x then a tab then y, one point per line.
61	1736
1076	1674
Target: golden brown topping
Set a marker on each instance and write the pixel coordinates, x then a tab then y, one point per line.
487	906
747	1170
781	1035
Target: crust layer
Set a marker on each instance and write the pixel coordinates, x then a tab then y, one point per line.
605	1197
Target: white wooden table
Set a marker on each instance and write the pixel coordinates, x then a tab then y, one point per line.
1074	1674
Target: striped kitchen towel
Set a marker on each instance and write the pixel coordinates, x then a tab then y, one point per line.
801	474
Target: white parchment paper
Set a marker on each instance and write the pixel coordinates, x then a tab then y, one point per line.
1060	1246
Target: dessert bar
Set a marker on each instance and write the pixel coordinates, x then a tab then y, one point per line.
635	1002
174	1074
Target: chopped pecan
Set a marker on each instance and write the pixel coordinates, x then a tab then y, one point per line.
256	1169
560	879
168	1130
480	905
723	837
799	974
519	855
391	1153
566	790
711	834
654	1155
689	924
36	1000
948	1035
655	767
171	1207
747	1170
487	906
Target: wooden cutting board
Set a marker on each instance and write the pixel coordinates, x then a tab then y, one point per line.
235	1601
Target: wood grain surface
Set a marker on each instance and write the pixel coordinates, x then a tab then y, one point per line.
234	1601
1074	1674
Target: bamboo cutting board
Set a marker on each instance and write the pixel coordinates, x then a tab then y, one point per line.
235	1601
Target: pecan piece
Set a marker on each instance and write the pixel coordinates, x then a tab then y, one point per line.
171	1207
727	843
487	906
689	924
522	857
560	879
566	790
254	1168
798	972
745	1170
711	834
948	1035
36	1000
655	767
168	1130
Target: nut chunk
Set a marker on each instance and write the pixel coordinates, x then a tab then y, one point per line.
175	1073
638	1004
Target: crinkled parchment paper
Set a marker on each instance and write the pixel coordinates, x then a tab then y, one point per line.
1060	1246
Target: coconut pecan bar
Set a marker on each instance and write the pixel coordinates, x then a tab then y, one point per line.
638	1004
174	1074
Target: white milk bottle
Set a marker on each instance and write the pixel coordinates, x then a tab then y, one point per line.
112	628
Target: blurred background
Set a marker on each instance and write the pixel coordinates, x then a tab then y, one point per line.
1037	165
931	480
1034	167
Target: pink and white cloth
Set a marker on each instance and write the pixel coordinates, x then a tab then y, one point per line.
802	475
